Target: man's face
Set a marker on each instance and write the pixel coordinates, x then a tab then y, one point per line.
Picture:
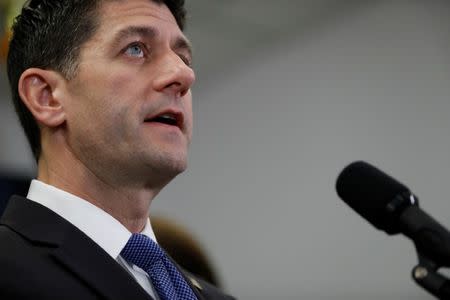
129	108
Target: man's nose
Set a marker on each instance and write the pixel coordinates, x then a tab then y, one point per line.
175	76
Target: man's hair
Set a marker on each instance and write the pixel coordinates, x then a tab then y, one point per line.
48	34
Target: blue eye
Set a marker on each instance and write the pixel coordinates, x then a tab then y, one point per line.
134	50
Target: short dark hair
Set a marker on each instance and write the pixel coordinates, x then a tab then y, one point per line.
48	34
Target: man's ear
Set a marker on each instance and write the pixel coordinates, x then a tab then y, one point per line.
40	90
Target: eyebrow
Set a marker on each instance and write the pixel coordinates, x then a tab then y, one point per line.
184	44
147	32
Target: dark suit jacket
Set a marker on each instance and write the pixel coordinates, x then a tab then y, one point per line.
43	256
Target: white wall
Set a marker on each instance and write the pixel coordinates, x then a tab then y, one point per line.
272	135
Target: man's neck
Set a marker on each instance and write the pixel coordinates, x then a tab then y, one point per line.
129	205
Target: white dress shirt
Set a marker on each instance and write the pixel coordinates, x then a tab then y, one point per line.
98	225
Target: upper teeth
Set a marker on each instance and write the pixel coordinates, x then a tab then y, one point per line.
167	116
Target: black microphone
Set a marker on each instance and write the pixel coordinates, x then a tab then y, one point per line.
390	206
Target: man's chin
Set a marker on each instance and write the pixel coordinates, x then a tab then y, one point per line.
178	167
160	177
168	168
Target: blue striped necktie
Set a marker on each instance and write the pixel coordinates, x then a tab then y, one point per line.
167	280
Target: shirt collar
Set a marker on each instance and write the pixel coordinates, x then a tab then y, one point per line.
98	225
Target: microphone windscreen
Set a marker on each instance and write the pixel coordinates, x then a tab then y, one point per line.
368	191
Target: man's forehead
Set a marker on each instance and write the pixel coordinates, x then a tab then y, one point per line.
117	9
119	19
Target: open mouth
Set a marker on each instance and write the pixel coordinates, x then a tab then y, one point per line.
172	119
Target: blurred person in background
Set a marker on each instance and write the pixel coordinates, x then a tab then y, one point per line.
102	90
8	10
184	248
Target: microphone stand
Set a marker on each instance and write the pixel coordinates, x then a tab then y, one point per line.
425	274
432	242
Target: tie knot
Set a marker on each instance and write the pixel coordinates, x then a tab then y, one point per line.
142	251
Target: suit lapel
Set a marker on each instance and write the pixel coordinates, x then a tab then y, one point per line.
95	267
72	249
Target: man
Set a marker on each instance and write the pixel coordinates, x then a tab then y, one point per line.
102	89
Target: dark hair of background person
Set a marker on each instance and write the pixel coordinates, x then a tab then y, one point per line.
184	248
10	185
48	34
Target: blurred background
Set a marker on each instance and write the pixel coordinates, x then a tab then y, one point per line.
287	94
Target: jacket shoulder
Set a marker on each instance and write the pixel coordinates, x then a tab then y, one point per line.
17	254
